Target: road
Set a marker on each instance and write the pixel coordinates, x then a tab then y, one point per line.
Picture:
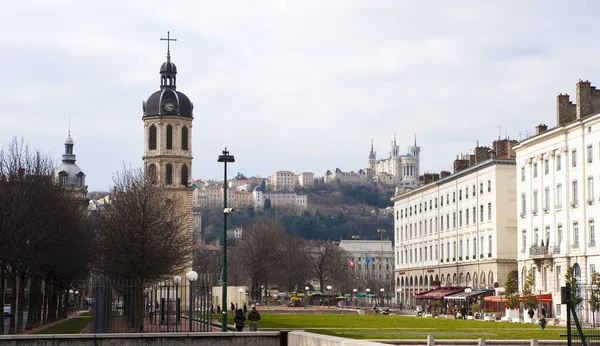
7	321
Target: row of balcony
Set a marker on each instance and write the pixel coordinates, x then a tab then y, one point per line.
544	251
489	255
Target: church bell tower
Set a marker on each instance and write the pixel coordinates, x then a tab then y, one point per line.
167	117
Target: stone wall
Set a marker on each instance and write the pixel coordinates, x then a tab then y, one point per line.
163	339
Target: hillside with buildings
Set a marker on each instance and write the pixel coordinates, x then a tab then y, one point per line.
331	211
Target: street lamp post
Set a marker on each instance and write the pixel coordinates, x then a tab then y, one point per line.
70	301
381	231
355	291
382	300
191	276
398	291
306	288
177	281
225	158
368	290
329	290
241	292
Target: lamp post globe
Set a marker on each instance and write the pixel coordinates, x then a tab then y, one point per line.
191	276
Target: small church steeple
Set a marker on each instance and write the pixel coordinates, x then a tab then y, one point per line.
371	152
68	156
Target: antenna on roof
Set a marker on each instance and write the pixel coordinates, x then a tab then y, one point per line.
499	131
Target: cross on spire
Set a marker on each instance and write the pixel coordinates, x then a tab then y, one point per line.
168	39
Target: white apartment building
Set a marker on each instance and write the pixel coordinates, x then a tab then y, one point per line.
557	208
306	180
371	260
239	184
279	199
288	181
283	181
459	230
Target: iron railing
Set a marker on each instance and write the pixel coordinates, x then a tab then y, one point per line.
135	306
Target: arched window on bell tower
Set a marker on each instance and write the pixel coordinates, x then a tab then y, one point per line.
184	175
169	137
152	173
152	138
169	175
184	138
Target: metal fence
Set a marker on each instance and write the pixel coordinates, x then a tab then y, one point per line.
583	319
135	306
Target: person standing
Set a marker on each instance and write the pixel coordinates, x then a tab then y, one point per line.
239	320
245	309
254	317
218	309
232	308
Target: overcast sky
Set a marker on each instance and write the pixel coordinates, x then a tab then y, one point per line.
290	85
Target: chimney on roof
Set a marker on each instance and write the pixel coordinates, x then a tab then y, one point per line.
587	99
565	110
444	174
541	128
460	164
481	154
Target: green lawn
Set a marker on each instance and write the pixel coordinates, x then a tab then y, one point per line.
406	327
73	325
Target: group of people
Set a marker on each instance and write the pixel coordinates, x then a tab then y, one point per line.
240	318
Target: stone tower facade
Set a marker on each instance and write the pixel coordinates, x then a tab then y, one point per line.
168	116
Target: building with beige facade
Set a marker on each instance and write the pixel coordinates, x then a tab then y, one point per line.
279	199
459	230
557	204
288	181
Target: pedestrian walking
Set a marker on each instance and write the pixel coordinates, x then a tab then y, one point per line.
218	309
239	320
542	322
254	317
245	309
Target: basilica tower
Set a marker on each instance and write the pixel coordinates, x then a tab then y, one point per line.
168	116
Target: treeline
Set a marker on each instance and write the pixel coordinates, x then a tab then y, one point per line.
323	222
270	257
44	246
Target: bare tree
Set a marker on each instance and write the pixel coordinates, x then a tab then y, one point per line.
294	271
326	259
260	251
41	233
142	235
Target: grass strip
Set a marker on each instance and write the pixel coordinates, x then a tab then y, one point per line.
406	327
73	325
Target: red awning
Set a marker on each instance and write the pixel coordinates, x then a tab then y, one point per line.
544	298
439	293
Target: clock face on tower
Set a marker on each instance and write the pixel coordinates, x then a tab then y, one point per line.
169	106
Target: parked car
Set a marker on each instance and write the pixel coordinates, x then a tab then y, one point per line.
7	310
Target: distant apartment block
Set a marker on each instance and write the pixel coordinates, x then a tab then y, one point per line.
210	194
279	199
288	181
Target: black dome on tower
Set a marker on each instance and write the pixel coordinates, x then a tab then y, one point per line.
168	101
